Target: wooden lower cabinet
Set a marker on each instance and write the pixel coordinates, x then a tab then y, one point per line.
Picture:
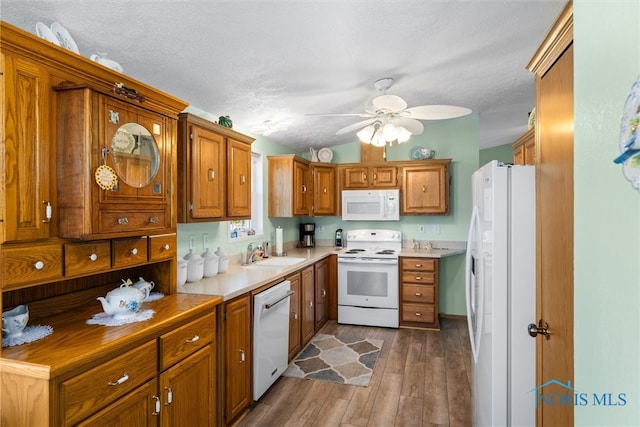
322	293
295	318
419	292
307	310
137	408
169	379
237	357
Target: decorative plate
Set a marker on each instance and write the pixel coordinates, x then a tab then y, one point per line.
629	143
65	38
45	32
106	177
123	141
325	155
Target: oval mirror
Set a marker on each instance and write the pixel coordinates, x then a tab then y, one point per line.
135	154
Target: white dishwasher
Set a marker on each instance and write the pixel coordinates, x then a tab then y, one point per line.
270	336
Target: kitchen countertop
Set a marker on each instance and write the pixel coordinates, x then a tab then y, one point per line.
431	253
238	280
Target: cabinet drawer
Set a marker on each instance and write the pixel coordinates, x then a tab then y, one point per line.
127	221
419	264
419	293
177	344
422	313
30	264
418	277
86	257
88	392
162	247
129	251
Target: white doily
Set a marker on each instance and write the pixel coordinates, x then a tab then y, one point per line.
29	334
108	320
154	296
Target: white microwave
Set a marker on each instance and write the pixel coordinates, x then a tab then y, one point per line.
371	205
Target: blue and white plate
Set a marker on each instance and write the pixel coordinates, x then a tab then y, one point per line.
45	32
630	128
66	41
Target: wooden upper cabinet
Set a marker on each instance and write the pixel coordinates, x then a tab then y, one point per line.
301	188
239	179
214	171
97	131
290	186
524	149
372	176
324	189
425	188
27	162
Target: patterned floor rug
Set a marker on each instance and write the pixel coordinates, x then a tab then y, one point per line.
343	360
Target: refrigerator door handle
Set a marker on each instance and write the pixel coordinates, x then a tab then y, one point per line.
475	303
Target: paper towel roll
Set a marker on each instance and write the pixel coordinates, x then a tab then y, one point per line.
279	250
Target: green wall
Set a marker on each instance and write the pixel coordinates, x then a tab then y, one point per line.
607	212
501	153
454	139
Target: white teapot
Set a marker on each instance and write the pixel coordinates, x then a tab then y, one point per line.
144	287
123	301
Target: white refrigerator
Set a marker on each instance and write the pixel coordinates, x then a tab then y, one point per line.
500	294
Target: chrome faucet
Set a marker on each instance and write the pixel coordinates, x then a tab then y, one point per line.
252	252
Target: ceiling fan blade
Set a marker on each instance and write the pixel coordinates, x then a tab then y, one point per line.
412	125
341	115
435	112
389	103
355	126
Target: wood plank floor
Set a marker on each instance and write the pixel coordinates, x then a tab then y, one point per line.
422	378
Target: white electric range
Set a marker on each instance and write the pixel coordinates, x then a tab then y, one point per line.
368	278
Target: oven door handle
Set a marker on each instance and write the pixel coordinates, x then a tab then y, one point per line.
367	260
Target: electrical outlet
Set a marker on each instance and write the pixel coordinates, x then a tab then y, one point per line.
320	228
421	228
436	229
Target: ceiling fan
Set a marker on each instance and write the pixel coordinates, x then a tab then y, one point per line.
388	118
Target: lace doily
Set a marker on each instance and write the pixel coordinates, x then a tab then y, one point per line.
105	319
29	334
154	296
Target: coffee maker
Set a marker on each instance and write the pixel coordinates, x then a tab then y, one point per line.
307	235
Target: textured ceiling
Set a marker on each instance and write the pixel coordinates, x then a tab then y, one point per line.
281	60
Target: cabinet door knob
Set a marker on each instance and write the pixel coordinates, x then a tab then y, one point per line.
418	278
169	396
154	220
212	174
424	189
324	293
93	257
134	251
304	188
418	314
418	294
48	211
242	179
166	247
119	381
241	356
123	221
39	265
418	265
324	190
192	340
157	411
295	316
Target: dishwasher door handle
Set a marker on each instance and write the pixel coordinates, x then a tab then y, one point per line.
282	298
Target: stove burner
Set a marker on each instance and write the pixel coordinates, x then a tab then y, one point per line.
386	252
354	251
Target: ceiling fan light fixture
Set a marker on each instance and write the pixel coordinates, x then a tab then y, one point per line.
366	134
403	134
